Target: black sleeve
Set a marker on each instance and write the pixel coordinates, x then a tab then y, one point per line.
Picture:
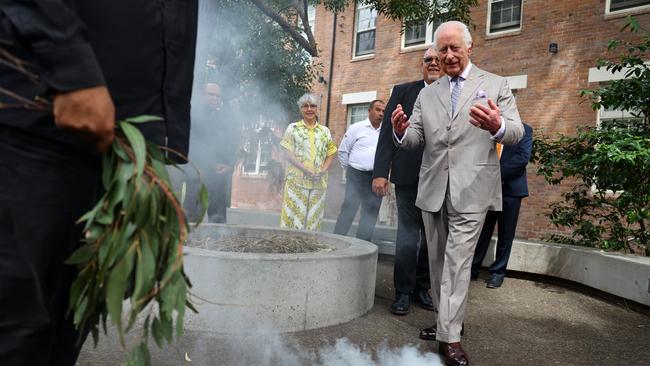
55	36
385	147
516	165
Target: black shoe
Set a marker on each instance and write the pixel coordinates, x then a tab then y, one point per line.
424	299
429	334
474	276
401	305
494	281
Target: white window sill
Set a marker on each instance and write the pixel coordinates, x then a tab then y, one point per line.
363	58
625	12
506	33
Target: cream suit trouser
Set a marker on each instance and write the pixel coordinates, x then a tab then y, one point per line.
451	239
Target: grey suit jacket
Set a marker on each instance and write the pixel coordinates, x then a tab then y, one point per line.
455	151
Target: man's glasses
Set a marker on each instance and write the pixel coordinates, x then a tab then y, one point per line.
312	106
429	60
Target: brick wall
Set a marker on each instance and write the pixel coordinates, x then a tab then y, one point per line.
550	103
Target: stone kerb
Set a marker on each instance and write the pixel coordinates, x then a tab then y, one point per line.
624	275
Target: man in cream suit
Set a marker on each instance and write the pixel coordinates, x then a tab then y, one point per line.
458	119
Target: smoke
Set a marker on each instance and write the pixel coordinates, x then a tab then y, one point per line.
269	348
260	78
259	74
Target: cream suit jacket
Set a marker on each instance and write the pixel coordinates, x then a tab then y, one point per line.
457	152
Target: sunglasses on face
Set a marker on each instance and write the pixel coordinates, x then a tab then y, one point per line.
429	60
307	106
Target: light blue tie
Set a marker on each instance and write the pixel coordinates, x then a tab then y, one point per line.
455	93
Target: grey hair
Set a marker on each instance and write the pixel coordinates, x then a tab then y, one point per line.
308	98
467	36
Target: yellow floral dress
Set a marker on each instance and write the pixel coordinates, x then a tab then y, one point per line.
303	205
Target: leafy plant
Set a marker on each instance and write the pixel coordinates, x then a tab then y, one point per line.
609	204
133	247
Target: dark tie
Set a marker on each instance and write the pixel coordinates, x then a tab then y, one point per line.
455	93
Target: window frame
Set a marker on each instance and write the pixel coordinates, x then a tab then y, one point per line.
631	9
488	24
428	39
311	18
259	164
428	35
352	106
357	8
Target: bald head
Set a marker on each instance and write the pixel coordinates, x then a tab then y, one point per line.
213	95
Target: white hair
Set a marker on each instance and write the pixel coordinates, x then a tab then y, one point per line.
307	99
467	36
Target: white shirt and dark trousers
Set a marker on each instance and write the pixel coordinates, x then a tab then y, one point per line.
357	155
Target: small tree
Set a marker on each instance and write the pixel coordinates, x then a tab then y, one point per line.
609	205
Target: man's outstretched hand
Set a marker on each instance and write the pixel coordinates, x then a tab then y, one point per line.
88	113
400	121
486	118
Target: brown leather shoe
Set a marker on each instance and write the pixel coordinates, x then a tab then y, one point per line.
453	354
429	334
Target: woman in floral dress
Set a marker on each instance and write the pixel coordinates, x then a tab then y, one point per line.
309	149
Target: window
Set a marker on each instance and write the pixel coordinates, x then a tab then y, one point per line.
364	29
258	147
612	114
504	15
357	112
311	16
421	33
416	34
618	5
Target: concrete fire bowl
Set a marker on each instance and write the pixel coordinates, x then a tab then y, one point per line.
237	292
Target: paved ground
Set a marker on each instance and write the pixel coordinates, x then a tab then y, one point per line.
529	321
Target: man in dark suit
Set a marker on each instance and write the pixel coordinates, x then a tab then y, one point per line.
97	61
411	271
514	186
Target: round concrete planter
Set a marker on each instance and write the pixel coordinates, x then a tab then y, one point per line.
242	292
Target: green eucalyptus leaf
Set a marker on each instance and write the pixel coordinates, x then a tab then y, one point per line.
116	287
136	140
157	332
82	254
145	271
204	201
143	118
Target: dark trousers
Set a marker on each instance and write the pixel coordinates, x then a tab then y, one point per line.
507	224
44	188
411	271
358	192
219	192
219	188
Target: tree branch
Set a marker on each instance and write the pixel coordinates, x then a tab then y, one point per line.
308	45
302	11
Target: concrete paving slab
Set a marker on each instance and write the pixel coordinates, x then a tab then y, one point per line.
528	321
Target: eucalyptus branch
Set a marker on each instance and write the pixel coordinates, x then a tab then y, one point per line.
38	104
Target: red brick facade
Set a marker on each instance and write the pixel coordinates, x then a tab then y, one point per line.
550	102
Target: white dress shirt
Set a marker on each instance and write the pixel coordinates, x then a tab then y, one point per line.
358	146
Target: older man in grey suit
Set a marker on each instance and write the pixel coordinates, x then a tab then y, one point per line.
458	118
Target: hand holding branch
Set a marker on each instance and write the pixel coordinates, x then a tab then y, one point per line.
88	113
